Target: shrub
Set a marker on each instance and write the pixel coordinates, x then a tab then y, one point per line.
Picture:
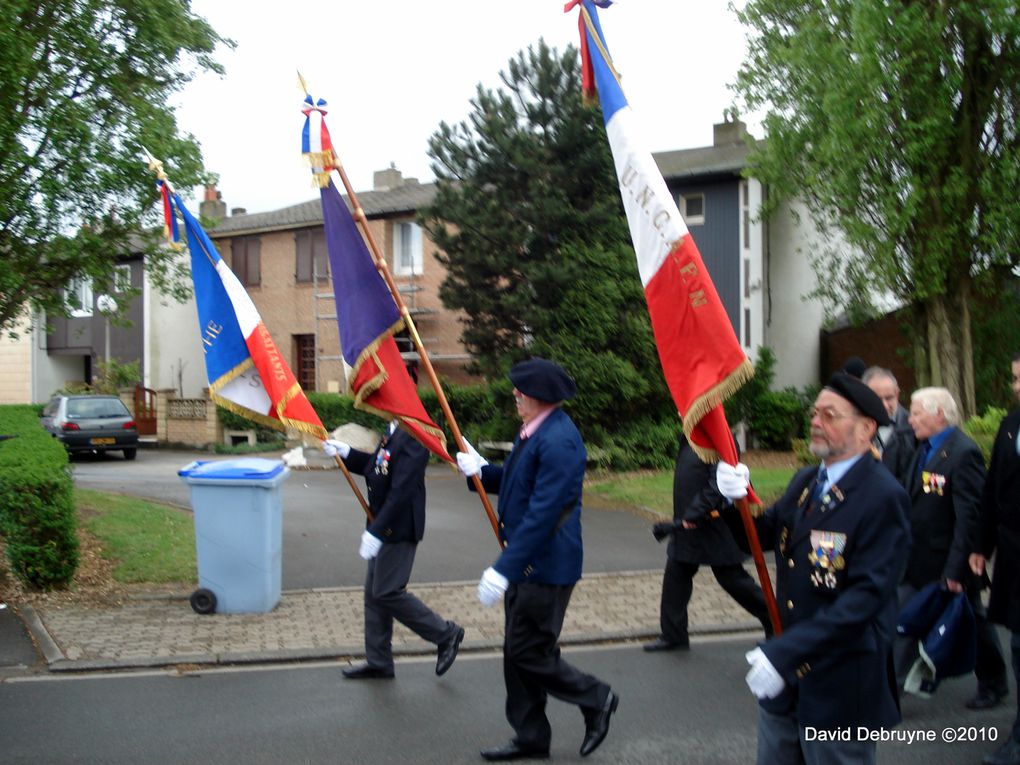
777	418
983	429
37	516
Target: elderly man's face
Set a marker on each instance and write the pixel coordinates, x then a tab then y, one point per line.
888	391
838	430
926	424
1016	378
528	408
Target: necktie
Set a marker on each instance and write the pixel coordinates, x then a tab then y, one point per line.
816	493
923	458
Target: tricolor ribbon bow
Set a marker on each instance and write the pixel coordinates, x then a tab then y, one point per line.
316	145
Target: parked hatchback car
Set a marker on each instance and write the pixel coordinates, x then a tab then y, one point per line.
92	423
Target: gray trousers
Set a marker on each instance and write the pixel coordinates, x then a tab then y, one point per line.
387	598
782	741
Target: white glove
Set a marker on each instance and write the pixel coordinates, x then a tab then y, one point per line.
336	448
732	480
491	586
370	545
763	679
470	462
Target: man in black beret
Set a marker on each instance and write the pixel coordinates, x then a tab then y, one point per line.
539	488
841	541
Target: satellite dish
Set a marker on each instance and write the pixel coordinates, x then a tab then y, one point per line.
106	304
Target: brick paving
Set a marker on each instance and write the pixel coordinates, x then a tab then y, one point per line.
161	630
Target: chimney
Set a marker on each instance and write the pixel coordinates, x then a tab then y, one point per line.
731	131
387	179
212	206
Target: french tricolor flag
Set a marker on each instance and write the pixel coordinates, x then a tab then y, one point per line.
701	358
245	370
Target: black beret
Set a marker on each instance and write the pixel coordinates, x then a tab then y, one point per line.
855	367
864	399
542	379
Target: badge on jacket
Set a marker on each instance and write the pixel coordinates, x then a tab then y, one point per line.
826	557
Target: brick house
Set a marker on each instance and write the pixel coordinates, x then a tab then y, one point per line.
280	257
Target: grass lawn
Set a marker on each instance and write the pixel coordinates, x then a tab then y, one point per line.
654	491
147	542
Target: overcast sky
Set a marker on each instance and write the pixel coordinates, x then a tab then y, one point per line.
392	71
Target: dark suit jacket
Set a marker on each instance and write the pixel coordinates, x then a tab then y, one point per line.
695	496
899	448
539	489
396	492
944	522
1000	528
839	619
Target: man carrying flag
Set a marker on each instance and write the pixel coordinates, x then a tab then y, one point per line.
702	361
395	472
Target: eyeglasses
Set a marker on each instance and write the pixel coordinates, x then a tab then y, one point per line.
830	415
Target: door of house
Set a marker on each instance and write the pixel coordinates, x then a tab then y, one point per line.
145	410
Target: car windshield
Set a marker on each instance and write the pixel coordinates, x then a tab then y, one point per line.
86	408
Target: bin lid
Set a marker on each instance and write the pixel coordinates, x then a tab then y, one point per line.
243	468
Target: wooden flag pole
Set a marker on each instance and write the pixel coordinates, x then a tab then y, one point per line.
156	166
380	264
759	563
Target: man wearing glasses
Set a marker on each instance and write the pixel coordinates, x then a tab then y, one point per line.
841	541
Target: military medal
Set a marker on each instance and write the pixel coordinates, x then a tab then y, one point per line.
826	557
382	461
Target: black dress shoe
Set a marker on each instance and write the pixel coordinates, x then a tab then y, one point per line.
666	645
598	726
367	672
448	652
514	751
986	699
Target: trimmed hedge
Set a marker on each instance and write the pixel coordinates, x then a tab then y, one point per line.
37	513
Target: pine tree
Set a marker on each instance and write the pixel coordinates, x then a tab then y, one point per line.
538	255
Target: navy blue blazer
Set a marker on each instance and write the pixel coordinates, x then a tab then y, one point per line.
945	519
395	477
539	488
837	570
1001	522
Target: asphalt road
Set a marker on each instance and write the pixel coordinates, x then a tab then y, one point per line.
322	522
691	708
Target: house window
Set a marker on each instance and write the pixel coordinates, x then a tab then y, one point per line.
122	279
78	296
692	207
312	258
407	248
746	210
245	260
304	361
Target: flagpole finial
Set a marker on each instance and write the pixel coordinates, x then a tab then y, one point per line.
156	166
302	82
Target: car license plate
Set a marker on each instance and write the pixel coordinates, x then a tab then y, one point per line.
102	441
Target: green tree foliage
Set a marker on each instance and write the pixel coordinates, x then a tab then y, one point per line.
897	123
85	85
532	232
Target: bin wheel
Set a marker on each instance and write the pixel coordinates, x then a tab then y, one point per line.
203	601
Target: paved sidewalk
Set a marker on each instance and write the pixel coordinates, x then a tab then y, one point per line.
161	630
